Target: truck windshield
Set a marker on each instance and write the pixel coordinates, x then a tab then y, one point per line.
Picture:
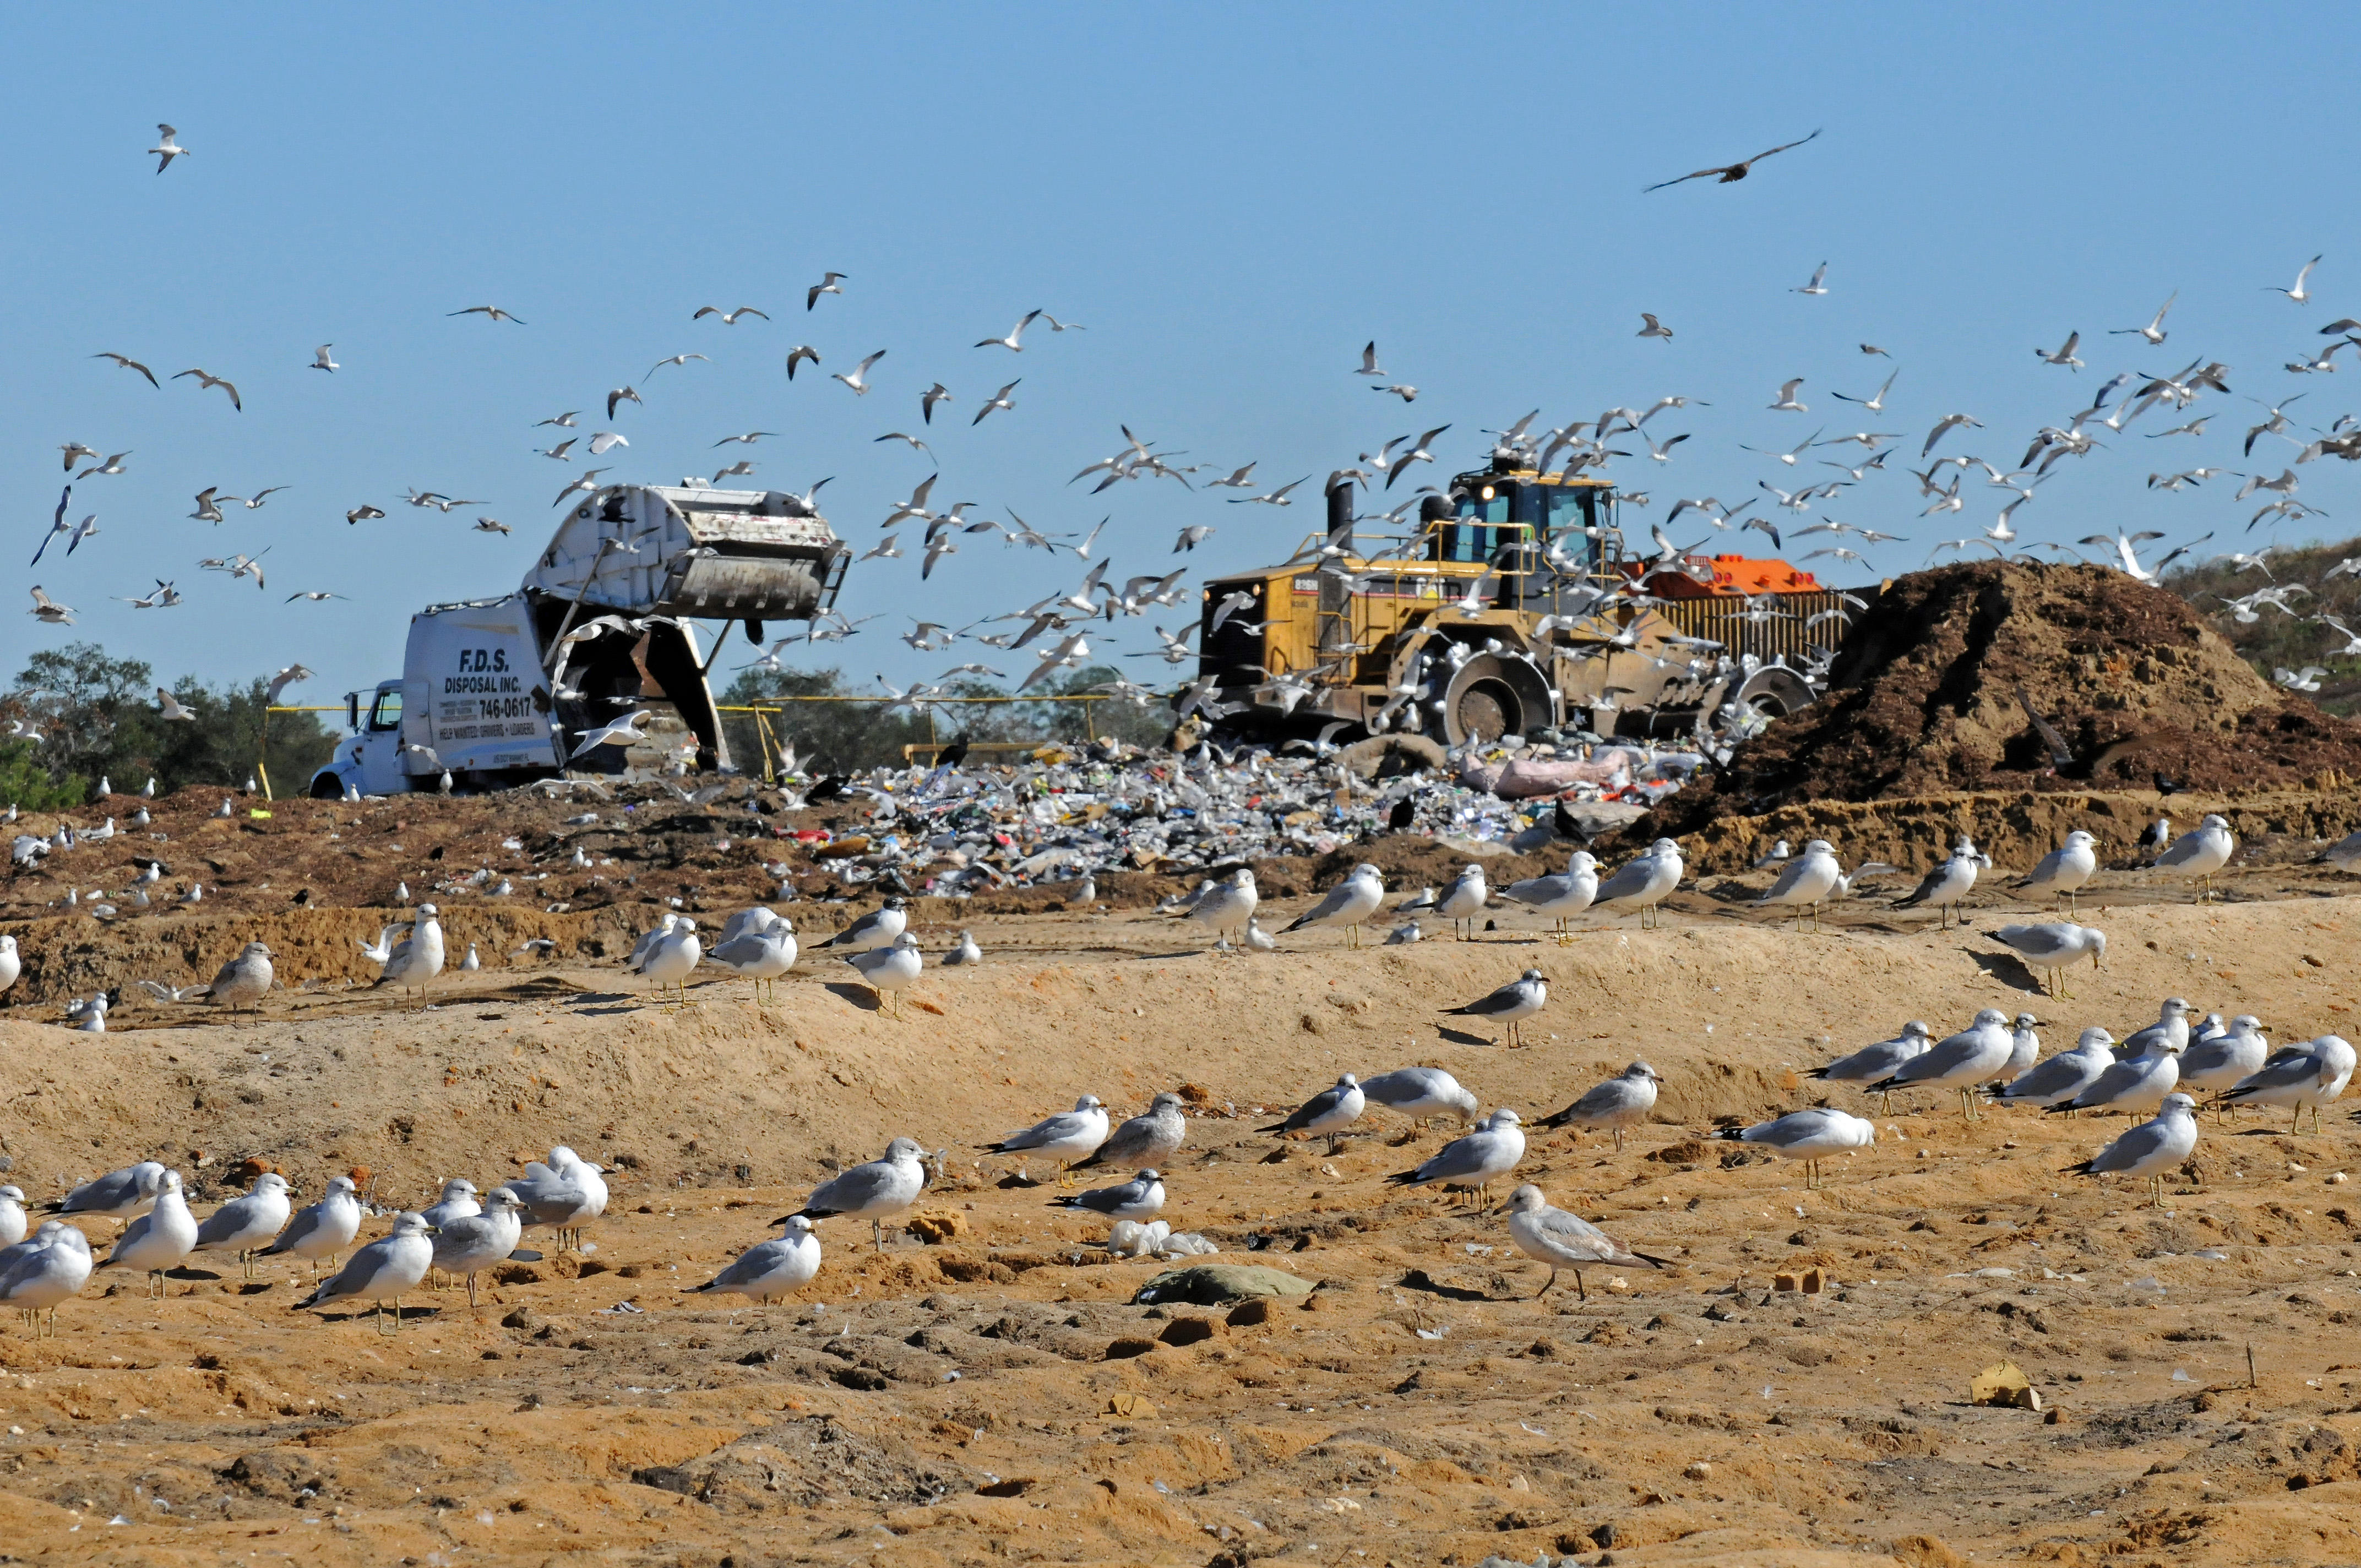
387	714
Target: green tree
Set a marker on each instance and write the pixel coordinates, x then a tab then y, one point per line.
99	718
2277	640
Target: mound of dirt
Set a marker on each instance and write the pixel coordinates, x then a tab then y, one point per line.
1922	699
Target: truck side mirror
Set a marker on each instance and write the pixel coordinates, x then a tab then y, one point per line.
352	710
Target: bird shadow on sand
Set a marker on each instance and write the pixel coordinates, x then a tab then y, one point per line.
1420	1280
585	998
1461	1036
860	997
2007	969
410	1314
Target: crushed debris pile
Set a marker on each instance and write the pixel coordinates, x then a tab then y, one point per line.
1924	700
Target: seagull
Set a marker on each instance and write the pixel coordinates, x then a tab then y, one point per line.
468	1244
166	149
1971	1058
798	354
1876	1063
623	395
489	312
2154	332
887	969
1815	286
2064	355
1349	903
126	362
114	464
1562	896
1620	1102
624	730
1562	1241
1943	426
769	1271
999	400
561	1194
883	1186
1787	403
2300	294
2151	1148
1331	1111
1143	1141
676	359
1369	360
855	380
1065	1137
938	393
382	1271
564	420
245	1225
1810	1136
2309	1075
1944	887
1654	328
1493	1149
206	380
1138	1198
827	285
2064	869
728	318
1015	333
1462	902
1808	879
158	1239
1511	1004
2199	852
2054	947
1727	173
324	1229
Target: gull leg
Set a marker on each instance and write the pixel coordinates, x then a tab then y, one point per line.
1619	1138
877	1236
1553	1280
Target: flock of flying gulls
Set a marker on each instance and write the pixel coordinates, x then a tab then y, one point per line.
1799	499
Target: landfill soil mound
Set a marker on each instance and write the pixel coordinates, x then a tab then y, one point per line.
1924	700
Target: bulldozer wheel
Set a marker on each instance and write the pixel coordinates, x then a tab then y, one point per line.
1487	710
1774	691
1491	695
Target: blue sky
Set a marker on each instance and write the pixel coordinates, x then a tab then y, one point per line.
1232	201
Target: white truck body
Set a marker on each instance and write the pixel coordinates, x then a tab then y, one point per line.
500	689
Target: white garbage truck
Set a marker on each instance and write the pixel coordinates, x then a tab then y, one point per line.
502	691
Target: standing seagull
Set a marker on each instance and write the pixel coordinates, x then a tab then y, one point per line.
2064	871
2298	1077
1493	1149
1349	903
381	1271
1511	1004
244	980
1620	1102
469	1243
1146	1139
1642	882
1874	1063
161	1238
51	1267
1331	1111
1226	906
2221	1062
771	1269
888	970
1065	1137
244	1224
2151	1148
2199	852
1562	896
417	959
1967	1059
118	1195
2063	1076
1806	881
2138	1084
1551	1236
1419	1093
561	1194
886	1185
324	1229
1810	1136
2053	947
1945	885
1462	902
876	929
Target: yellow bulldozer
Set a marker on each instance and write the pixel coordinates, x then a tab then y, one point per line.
1509	606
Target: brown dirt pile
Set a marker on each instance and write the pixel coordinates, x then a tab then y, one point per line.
1922	699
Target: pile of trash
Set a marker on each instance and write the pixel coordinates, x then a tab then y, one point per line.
1995	676
1063	818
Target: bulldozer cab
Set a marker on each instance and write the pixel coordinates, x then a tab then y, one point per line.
1507	521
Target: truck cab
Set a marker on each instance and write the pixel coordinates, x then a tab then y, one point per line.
369	759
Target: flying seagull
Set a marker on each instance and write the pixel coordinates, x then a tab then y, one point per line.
489	312
1728	173
164	149
127	363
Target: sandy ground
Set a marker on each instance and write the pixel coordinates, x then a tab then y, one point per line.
977	1398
